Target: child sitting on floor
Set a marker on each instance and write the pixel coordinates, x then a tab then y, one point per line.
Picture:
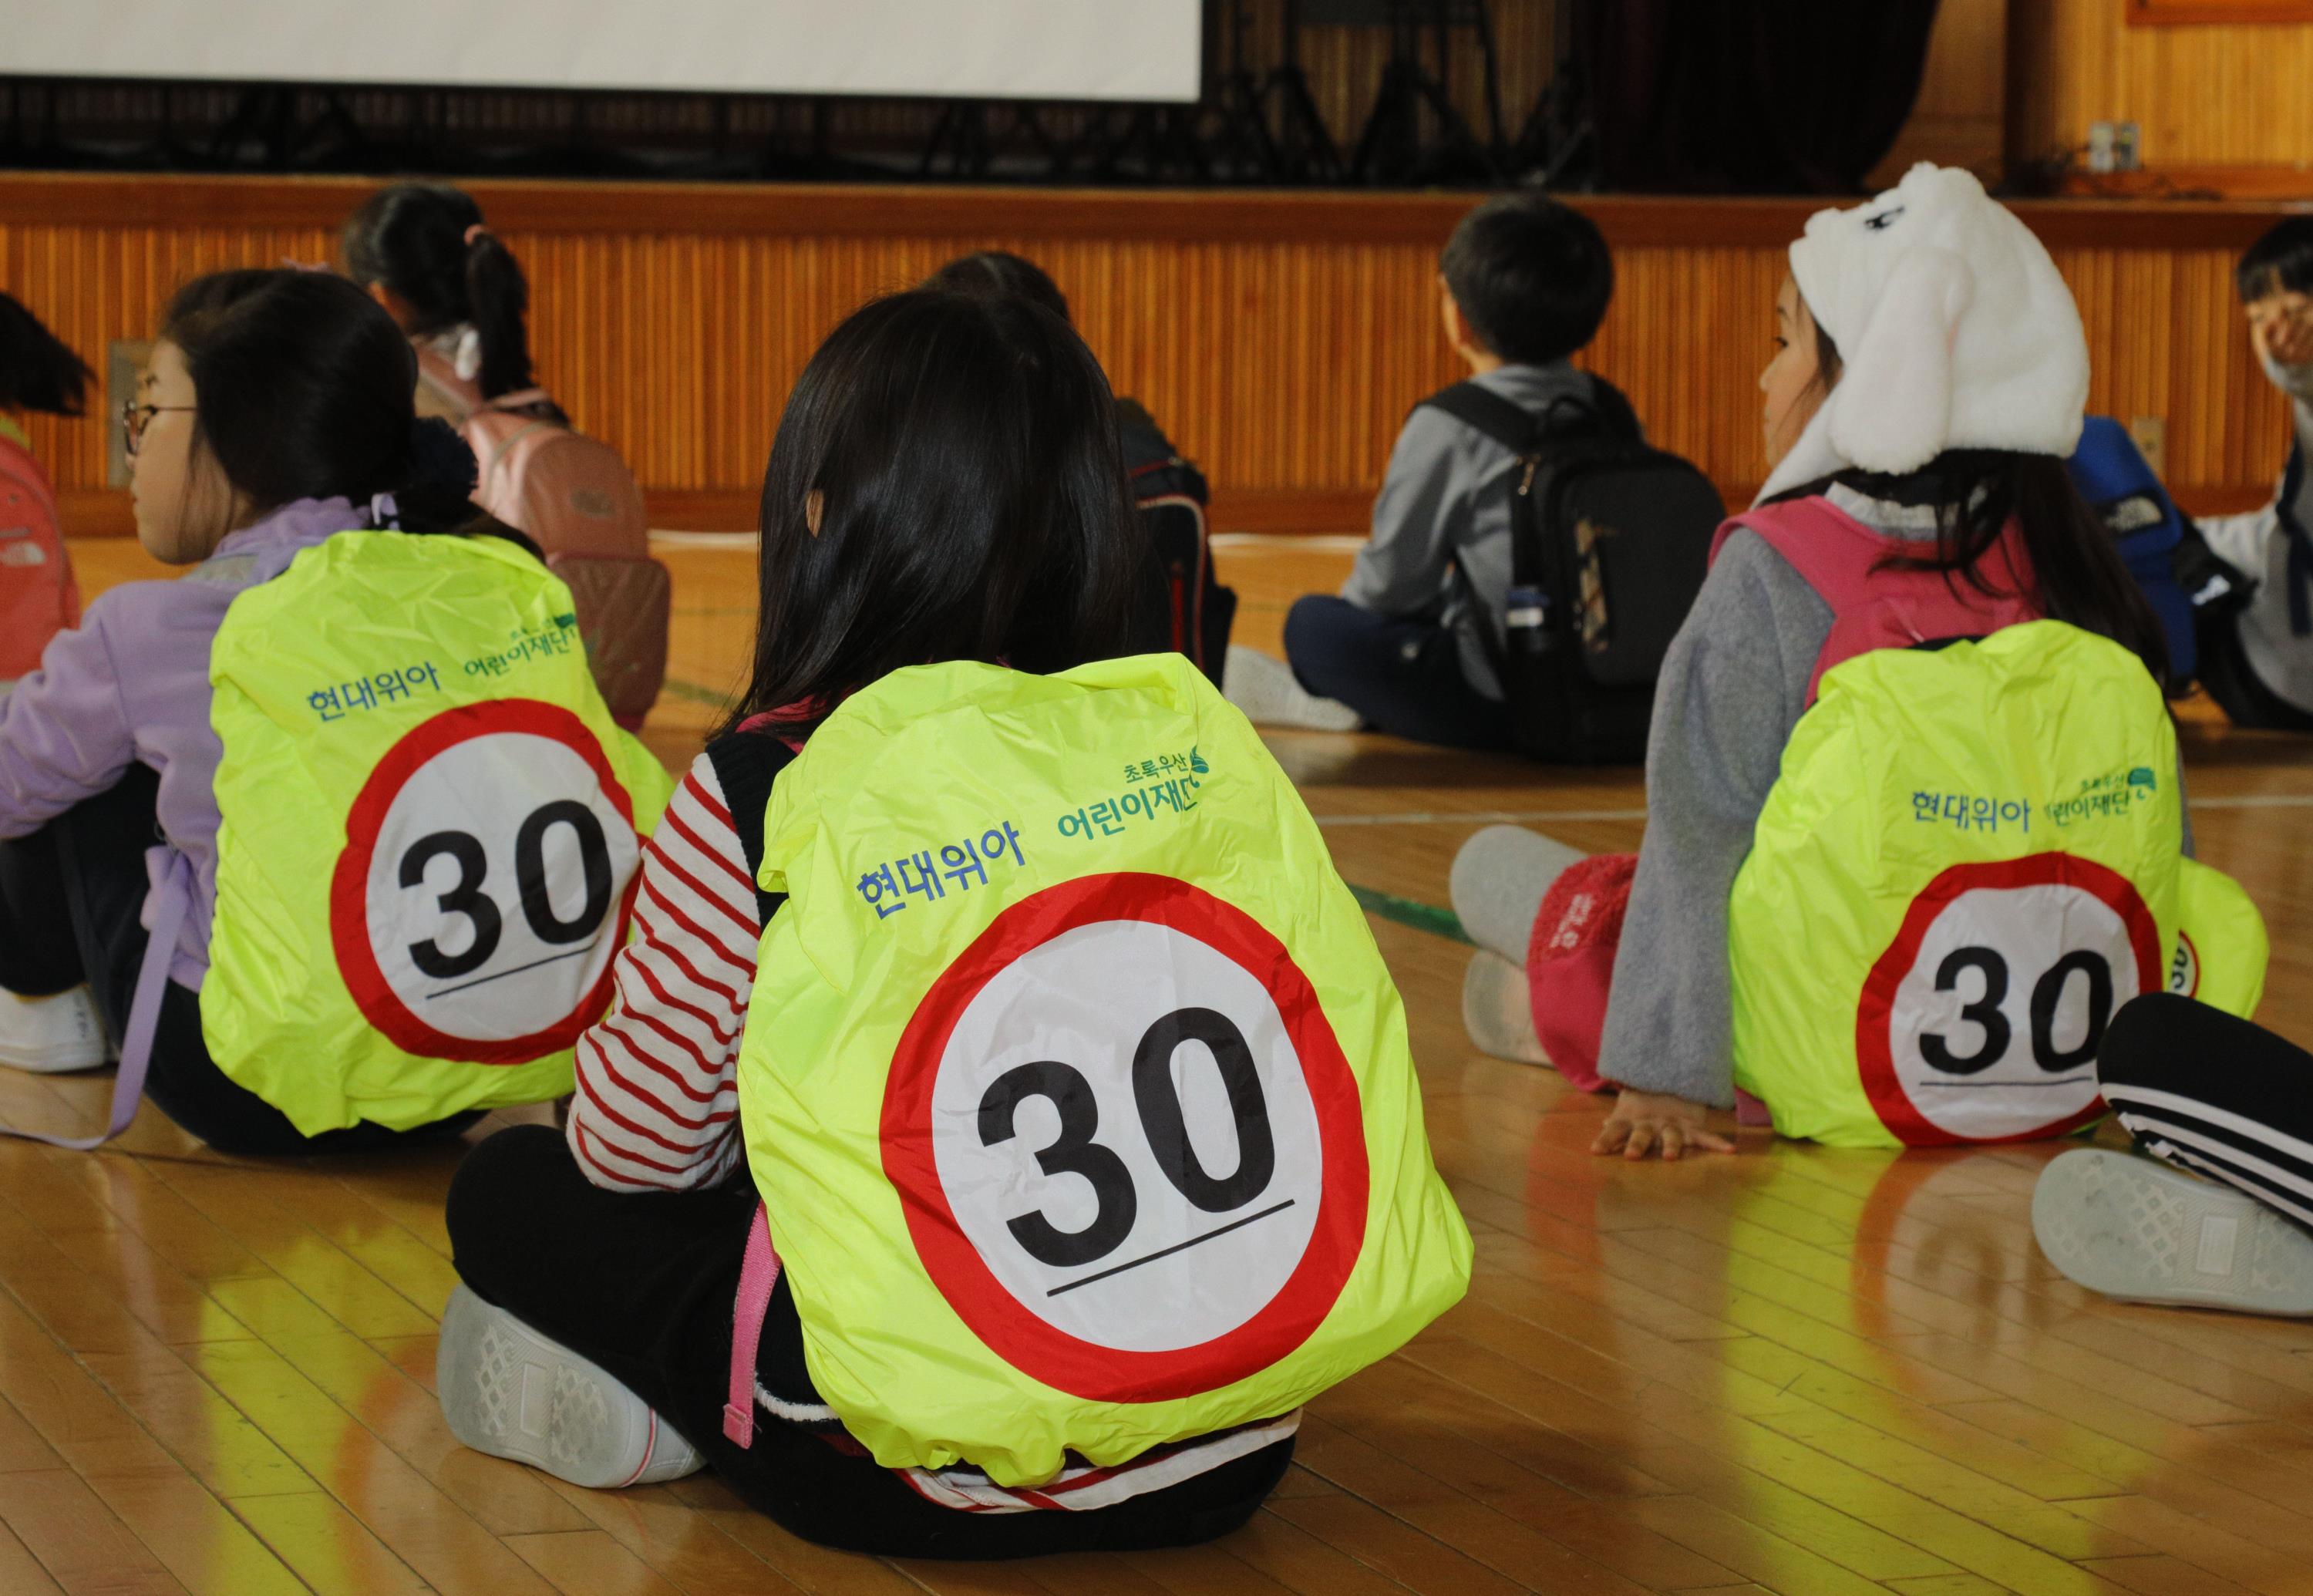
1523	285
2255	626
334	863
1926	386
870	1197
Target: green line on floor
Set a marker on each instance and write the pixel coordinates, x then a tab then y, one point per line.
1422	917
694	692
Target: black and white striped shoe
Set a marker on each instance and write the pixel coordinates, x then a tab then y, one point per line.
513	1393
2135	1228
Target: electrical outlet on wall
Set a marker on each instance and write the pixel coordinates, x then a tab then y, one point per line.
2152	436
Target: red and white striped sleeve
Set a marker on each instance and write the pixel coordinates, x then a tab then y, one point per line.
658	1096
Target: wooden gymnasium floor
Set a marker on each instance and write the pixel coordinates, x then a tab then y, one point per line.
1796	1370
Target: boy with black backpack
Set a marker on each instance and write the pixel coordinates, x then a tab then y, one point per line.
1453	630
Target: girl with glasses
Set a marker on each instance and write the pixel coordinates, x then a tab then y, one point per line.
159	771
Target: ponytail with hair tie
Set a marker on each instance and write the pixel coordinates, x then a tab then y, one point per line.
497	299
428	243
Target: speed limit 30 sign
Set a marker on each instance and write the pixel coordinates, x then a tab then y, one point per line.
1983	1019
489	861
1126	1142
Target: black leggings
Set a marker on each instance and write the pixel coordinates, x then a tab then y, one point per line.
643	1285
70	898
2215	1095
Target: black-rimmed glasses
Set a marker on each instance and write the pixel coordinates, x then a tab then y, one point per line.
135	417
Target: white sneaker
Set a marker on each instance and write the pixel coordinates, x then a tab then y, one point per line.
513	1393
1498	1010
1265	689
50	1034
2135	1227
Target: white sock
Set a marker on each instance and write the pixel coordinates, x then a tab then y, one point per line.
1498	1010
1499	881
1266	690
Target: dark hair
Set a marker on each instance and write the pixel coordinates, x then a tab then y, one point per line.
413	238
1532	276
1828	362
973	503
303	389
1976	493
37	371
1001	272
2281	259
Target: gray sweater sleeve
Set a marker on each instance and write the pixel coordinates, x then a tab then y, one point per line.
1733	686
1424	497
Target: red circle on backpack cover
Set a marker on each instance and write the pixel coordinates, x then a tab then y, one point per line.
1877	1009
988	1307
374	993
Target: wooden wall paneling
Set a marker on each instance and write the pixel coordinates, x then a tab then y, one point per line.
2222	95
1281	338
2168	13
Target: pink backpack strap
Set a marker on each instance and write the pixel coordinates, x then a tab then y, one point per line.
1833	553
1872	604
759	1276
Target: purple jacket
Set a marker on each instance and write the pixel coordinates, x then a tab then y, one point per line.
131	683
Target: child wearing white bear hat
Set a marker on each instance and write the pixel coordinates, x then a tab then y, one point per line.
1929	381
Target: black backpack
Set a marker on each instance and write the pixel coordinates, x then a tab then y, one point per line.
1610	540
1186	608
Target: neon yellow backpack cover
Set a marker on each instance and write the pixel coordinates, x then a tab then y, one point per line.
429	830
1076	1090
1971	858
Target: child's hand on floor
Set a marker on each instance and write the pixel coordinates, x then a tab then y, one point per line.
1644	1122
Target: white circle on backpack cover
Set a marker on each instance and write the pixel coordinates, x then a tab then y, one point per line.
1127	1144
490	861
2185	966
1983	1019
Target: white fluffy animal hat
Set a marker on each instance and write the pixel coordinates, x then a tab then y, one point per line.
1954	330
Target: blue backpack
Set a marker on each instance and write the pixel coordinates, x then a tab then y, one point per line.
2146	528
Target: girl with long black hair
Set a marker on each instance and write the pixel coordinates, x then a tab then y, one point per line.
423	251
946	486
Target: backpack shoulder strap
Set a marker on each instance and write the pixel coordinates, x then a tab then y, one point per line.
746	763
1614	416
1506	421
1845	562
1832	552
1605	412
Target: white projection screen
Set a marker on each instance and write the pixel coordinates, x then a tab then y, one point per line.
1022	49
